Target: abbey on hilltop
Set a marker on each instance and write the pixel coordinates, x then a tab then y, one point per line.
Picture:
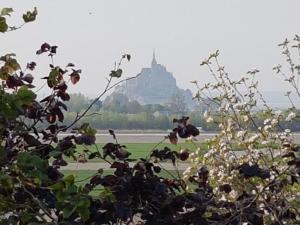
155	85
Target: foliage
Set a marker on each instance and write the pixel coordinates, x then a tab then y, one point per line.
29	16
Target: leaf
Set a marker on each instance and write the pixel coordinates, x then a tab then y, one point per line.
3	25
68	211
6	11
53	77
111	132
93	155
14	81
30	16
253	170
25	96
128	57
173	138
31	65
51	118
30	140
45	47
116	73
63	95
69	180
75	77
83	208
226	188
70	65
27	160
58	113
61	104
28	78
5	181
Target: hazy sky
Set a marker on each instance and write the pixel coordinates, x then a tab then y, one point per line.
94	34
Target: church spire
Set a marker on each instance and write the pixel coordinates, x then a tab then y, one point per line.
153	60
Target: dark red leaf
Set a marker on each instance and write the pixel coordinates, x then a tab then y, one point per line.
173	138
31	140
184	155
51	118
28	78
70	65
59	162
14	81
44	48
53	49
60	104
31	65
62	87
226	188
111	132
59	113
75	77
47	99
63	95
53	128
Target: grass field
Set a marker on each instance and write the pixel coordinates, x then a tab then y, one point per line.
142	150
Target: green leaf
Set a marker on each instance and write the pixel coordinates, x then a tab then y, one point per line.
69	180
83	206
11	65
52	78
107	195
116	73
3	25
25	96
7	57
6	11
55	154
58	186
28	161
5	181
3	74
30	16
68	211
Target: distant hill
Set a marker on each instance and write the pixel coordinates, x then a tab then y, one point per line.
154	85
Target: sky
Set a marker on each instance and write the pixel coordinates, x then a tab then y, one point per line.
93	34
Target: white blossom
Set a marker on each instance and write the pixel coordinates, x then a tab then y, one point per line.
274	121
240	133
253	138
209	119
266	121
290	117
245	118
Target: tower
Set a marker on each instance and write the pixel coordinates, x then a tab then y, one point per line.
154	63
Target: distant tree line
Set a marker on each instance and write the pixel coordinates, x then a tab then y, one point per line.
118	112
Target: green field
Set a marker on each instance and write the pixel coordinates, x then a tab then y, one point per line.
142	150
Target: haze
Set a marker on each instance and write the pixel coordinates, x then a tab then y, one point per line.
94	34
